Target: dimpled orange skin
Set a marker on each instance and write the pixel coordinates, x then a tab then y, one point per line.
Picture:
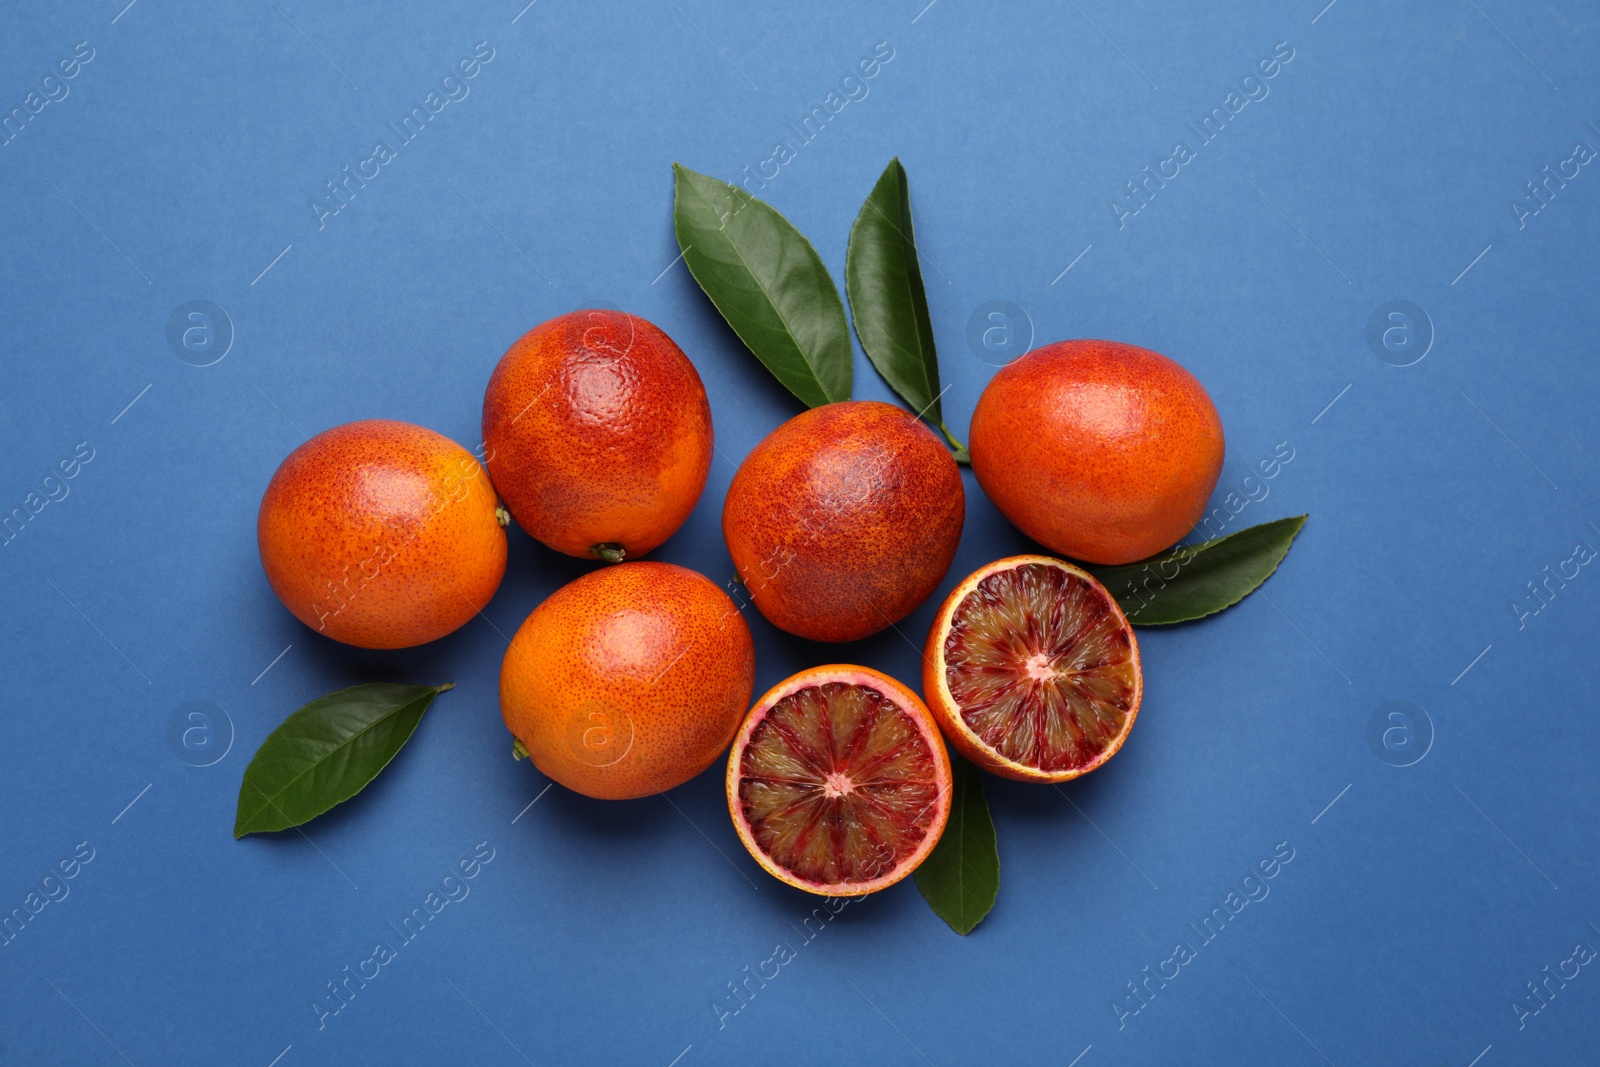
381	534
598	433
844	519
1098	450
630	680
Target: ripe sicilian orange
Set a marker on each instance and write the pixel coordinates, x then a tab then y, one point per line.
629	680
381	534
598	434
838	781
1101	451
1032	670
844	519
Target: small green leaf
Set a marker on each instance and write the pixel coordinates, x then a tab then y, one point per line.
326	752
1193	581
961	876
888	301
768	282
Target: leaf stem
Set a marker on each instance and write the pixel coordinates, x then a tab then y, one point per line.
956	447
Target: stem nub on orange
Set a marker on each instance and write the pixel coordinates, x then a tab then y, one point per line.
381	534
1101	451
1032	670
844	519
630	680
838	782
598	434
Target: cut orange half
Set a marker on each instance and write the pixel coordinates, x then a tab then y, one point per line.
838	782
1032	670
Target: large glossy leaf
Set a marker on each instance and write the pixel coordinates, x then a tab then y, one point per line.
326	752
960	879
1191	582
768	282
888	301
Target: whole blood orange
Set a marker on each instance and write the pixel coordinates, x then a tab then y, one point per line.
838	781
598	434
629	680
1032	670
381	534
1101	451
844	519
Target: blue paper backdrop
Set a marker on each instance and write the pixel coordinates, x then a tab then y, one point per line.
1440	862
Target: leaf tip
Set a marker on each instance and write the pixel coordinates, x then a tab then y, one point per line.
446	687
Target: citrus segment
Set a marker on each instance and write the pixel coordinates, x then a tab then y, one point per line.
1032	670
839	782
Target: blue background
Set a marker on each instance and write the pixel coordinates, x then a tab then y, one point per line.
1382	166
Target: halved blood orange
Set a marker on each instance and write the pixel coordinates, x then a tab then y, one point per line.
1032	670
839	782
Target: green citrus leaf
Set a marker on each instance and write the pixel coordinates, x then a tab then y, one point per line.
888	301
961	876
326	752
768	282
1193	581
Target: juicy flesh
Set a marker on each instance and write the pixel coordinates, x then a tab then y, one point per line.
1041	667
838	784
